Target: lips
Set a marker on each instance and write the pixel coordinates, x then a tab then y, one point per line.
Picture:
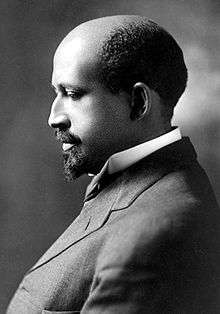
67	146
68	140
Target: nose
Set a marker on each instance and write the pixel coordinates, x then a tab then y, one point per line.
58	118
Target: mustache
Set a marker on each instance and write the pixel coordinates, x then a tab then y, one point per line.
66	137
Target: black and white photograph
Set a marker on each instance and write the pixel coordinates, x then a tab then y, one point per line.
110	157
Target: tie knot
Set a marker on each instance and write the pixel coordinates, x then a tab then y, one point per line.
98	183
95	186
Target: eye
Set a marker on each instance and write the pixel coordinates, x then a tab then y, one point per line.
74	94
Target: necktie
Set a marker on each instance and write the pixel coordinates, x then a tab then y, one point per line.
96	185
99	182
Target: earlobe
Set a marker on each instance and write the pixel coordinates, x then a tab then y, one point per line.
140	102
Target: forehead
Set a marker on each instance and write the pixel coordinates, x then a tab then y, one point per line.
74	61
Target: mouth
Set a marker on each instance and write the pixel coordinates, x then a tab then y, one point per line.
67	140
67	146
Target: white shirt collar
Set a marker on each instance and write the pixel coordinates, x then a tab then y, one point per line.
126	158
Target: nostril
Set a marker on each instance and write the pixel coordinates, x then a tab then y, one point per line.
61	126
59	122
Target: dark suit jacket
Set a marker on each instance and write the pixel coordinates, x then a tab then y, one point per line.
147	243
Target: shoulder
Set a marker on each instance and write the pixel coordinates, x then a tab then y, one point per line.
169	216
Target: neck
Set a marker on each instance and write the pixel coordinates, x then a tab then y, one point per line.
151	133
137	140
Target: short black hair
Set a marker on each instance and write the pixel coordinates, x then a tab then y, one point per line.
144	51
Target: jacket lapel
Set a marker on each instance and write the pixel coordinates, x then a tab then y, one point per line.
71	235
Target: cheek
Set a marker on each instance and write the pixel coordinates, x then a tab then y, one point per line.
87	118
98	120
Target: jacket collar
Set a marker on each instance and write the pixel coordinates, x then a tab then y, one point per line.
149	170
120	192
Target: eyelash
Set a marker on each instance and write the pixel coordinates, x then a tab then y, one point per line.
73	94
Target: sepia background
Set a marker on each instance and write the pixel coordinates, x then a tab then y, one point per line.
36	205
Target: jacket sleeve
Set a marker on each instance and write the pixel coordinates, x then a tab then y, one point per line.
147	267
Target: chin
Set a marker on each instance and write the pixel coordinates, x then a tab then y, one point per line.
75	163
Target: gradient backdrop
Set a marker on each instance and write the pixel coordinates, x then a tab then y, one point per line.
36	205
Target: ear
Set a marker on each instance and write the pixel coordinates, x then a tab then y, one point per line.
140	101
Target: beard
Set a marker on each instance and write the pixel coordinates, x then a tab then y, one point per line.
74	161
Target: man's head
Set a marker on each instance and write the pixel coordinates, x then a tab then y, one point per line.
117	81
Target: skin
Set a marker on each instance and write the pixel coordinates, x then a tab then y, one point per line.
102	123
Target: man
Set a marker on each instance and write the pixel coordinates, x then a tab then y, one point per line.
146	240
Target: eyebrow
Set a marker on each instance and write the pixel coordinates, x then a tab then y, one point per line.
66	86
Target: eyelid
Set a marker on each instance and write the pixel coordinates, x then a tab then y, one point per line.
74	93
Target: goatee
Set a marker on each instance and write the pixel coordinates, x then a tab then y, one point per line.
75	161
